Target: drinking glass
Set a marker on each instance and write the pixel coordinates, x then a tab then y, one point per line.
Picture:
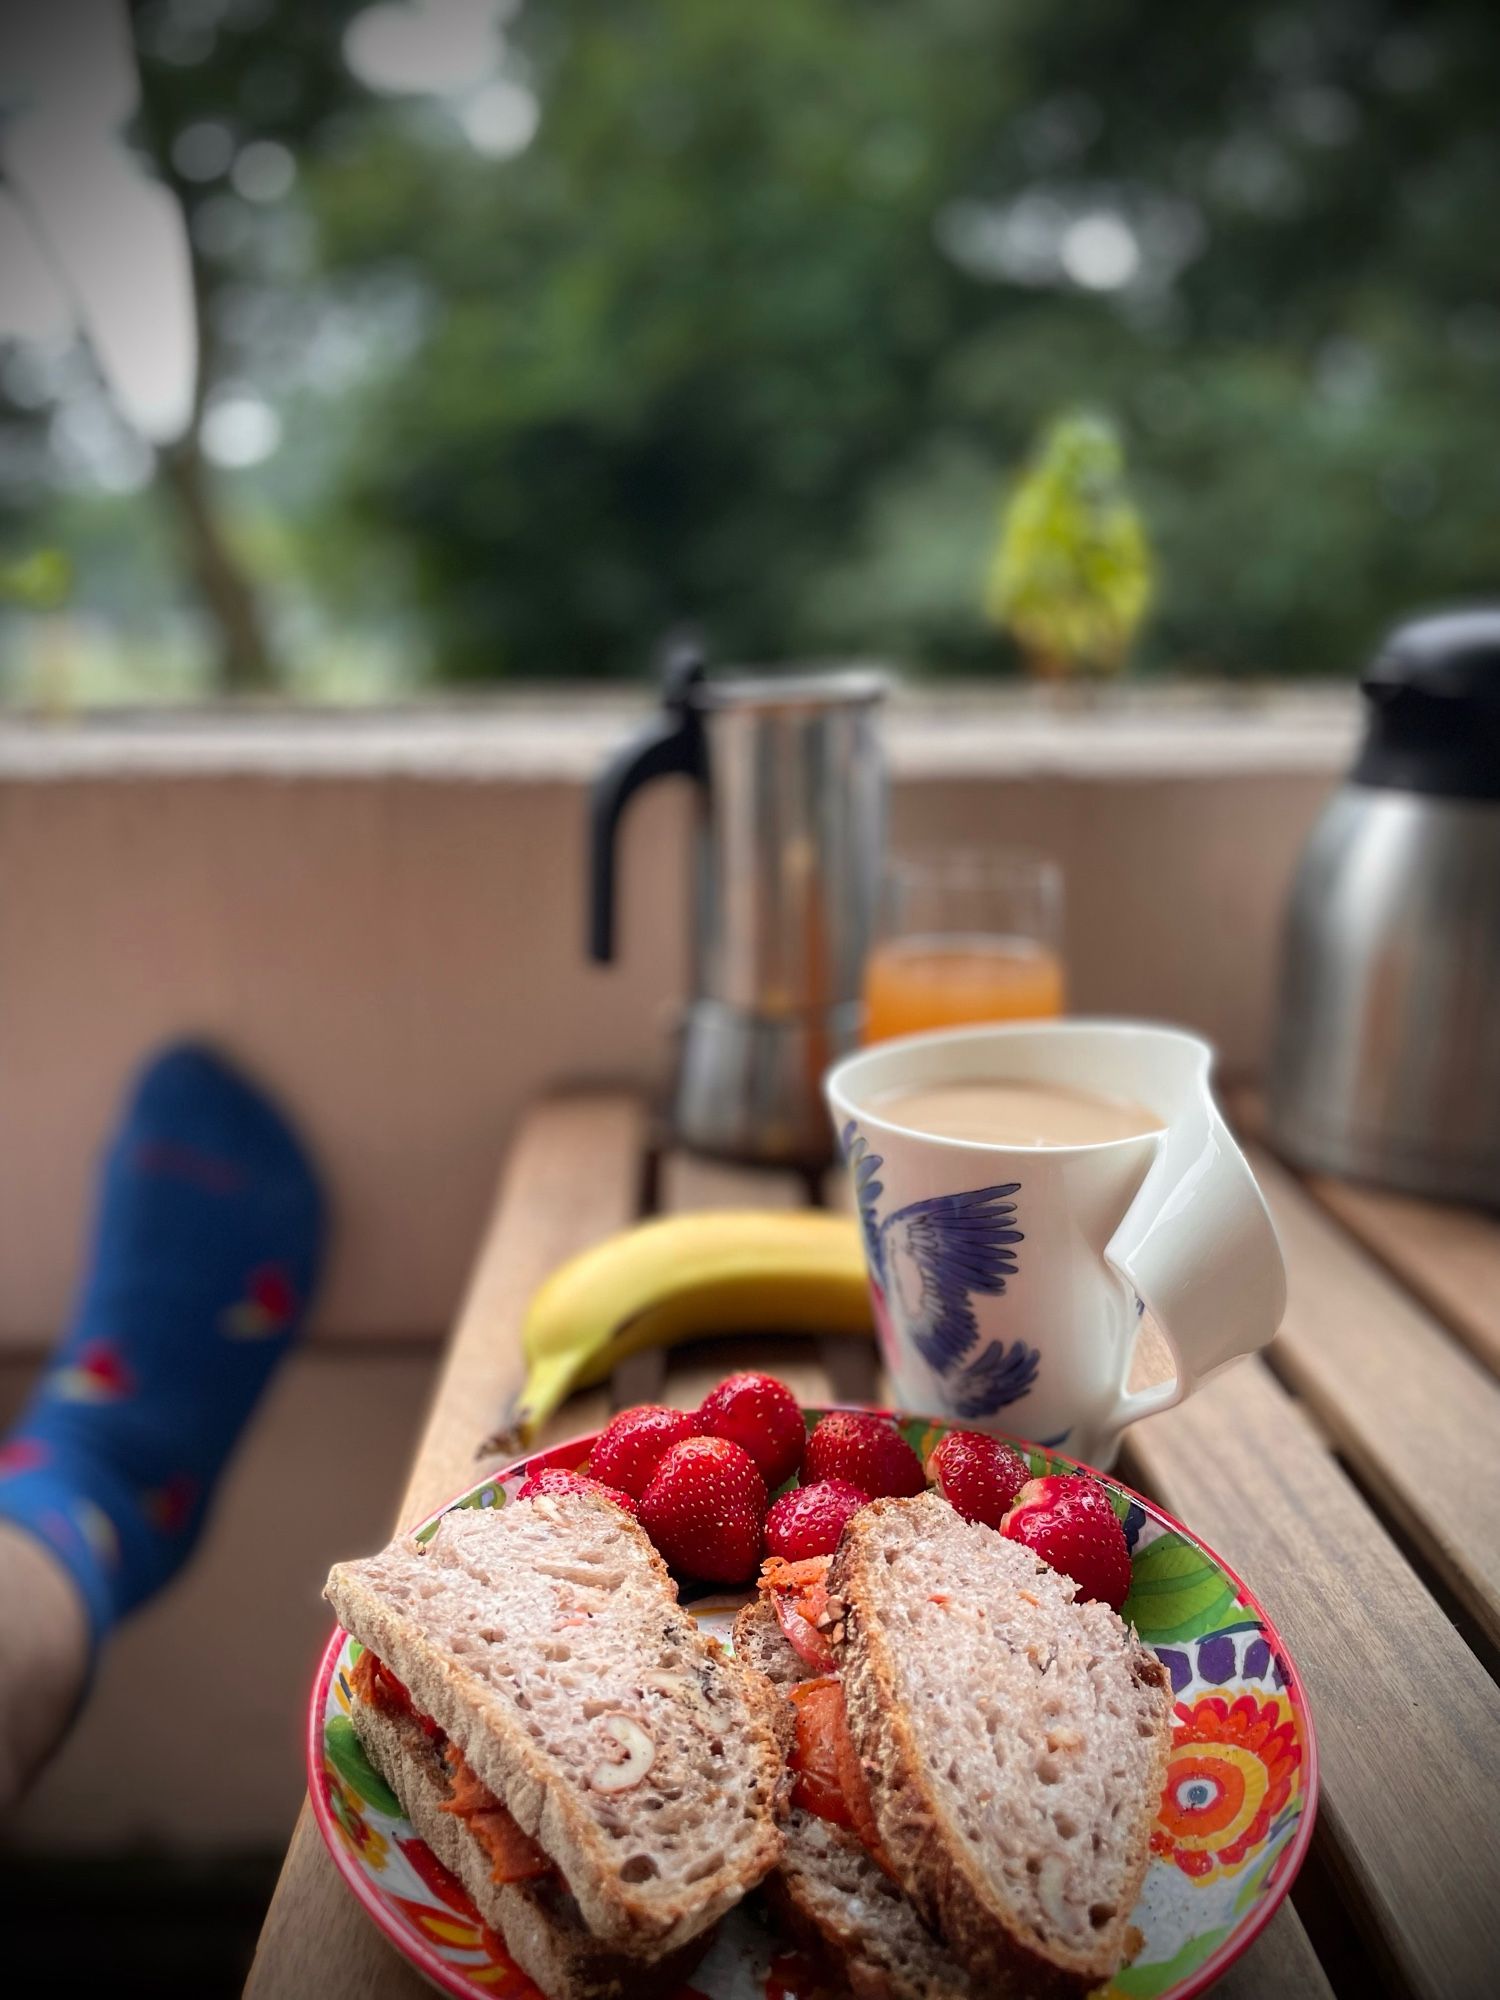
965	937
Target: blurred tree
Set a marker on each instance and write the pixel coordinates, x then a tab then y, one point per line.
752	327
227	92
1072	574
774	295
228	89
674	342
40	580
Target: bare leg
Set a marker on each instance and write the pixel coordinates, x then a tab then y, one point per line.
44	1657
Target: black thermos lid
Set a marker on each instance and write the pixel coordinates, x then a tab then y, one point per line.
1434	696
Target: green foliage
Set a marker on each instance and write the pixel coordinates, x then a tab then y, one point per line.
778	298
706	347
40	580
1072	573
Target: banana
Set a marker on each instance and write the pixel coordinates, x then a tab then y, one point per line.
678	1277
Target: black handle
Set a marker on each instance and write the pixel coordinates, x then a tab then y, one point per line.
670	746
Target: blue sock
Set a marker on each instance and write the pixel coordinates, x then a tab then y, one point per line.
206	1250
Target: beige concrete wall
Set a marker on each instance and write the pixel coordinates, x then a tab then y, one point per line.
401	958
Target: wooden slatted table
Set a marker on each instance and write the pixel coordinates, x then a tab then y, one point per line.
1351	1475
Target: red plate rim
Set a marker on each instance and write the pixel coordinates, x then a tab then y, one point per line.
451	1980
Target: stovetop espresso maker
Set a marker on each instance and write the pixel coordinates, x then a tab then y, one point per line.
789	778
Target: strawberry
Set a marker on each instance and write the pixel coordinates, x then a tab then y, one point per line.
763	1416
1067	1520
553	1479
977	1475
809	1520
705	1508
630	1447
867	1451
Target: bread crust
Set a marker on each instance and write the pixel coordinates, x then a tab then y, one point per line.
950	1891
545	1798
543	1932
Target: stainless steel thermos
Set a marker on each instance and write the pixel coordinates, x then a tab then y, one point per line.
1386	1064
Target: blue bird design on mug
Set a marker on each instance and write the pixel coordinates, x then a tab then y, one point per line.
935	1255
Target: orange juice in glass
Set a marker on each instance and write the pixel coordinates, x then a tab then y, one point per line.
965	938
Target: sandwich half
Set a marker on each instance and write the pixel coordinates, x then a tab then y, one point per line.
828	1885
1013	1742
599	1775
528	1905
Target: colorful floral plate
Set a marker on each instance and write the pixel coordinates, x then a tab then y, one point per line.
1236	1814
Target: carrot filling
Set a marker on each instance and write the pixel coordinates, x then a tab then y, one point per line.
514	1856
374	1683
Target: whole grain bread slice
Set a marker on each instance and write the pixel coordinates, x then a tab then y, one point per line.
828	1888
830	1891
545	1638
540	1922
1015	1742
759	1642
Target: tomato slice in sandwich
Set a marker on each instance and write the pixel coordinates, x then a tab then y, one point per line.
819	1709
799	1593
830	1777
371	1681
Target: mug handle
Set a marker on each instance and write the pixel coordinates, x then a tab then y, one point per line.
1200	1250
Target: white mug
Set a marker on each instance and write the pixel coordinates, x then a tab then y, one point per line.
1009	1281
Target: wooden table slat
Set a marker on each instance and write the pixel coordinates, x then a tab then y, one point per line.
1448	1257
1408	1722
1414	1413
686	1182
817	1371
1280	1965
317	1940
572	1176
